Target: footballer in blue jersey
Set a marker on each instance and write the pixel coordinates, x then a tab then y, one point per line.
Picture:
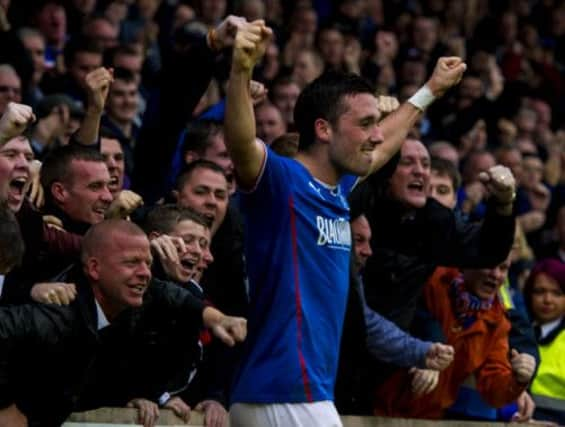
298	267
298	239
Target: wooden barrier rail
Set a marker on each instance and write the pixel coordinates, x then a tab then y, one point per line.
113	417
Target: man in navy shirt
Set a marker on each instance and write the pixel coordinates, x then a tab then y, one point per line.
298	239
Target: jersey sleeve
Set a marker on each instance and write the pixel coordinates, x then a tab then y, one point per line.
272	184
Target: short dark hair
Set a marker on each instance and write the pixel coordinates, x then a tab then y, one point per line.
197	136
163	218
12	246
470	157
80	44
124	74
445	167
57	164
189	169
283	80
329	26
323	98
111	53
106	132
49	102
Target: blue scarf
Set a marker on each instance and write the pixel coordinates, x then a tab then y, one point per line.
465	304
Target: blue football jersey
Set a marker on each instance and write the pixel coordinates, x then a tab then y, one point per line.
297	246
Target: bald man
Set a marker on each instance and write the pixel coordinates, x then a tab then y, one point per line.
57	359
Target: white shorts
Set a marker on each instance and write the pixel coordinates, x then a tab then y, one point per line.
322	414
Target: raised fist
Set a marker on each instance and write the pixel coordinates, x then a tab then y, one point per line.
447	73
15	120
523	366
251	41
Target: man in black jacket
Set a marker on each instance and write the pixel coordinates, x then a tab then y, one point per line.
116	299
413	233
199	370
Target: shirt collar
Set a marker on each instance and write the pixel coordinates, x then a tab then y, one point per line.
547	328
102	321
197	285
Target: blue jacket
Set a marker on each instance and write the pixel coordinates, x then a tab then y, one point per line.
387	342
368	336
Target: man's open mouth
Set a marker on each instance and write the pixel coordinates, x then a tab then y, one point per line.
17	187
188	263
416	185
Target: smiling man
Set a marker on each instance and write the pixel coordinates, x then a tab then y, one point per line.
298	241
75	180
472	320
203	186
178	240
117	311
121	110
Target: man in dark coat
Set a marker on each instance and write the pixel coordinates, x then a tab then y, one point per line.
413	233
116	297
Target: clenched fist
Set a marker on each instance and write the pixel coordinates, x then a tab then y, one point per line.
14	121
523	366
258	92
226	31
439	356
387	104
500	184
251	41
447	73
98	84
124	204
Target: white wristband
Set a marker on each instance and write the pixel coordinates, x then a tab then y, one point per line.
422	98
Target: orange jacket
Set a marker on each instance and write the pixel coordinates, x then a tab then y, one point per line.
482	350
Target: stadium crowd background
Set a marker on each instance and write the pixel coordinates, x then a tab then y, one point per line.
509	109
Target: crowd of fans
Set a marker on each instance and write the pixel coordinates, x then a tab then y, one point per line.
142	224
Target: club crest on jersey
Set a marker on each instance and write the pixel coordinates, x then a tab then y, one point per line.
333	232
